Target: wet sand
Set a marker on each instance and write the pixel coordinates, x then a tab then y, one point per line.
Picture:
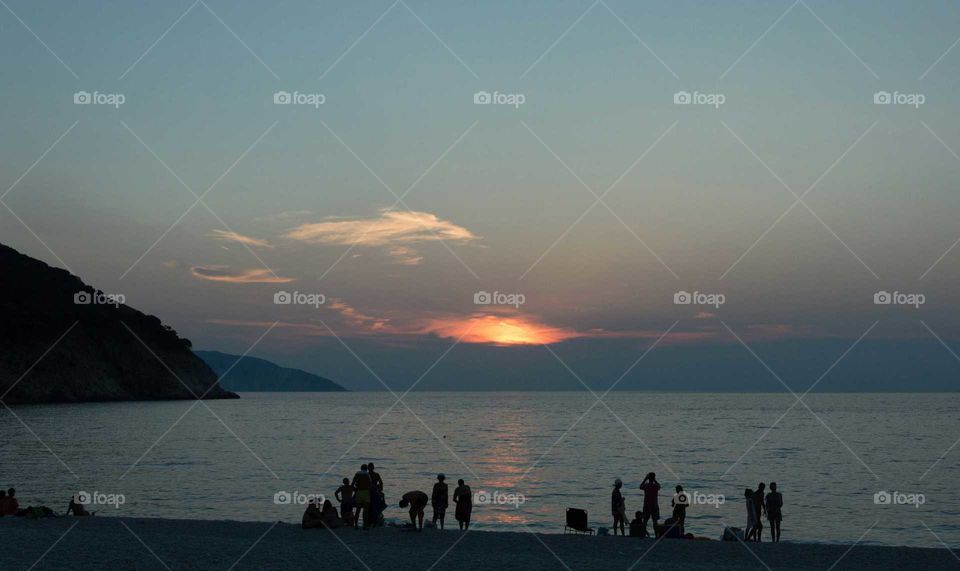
157	544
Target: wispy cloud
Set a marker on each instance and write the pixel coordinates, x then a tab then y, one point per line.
226	236
393	230
242	276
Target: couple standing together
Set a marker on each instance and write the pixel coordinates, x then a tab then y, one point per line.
759	505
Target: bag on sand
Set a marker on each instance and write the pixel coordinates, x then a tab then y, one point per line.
732	534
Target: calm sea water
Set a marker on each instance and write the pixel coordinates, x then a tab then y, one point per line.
181	460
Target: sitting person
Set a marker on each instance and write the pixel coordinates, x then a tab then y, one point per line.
77	508
417	501
329	517
12	504
670	529
637	529
312	516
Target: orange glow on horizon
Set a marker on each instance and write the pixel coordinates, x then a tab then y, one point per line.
499	330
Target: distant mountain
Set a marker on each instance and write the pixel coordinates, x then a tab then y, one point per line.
63	341
257	375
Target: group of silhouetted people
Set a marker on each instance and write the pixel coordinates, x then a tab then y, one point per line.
363	498
758	506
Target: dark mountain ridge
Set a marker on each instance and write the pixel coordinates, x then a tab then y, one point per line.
257	375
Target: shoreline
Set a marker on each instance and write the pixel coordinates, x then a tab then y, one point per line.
156	543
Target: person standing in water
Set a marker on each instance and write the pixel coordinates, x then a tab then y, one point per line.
680	502
439	500
774	515
618	507
362	484
651	502
463	497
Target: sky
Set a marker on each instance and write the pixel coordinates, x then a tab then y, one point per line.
586	193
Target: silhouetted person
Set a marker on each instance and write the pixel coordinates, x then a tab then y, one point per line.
463	497
759	509
774	515
751	515
3	503
375	478
12	504
77	509
417	501
651	502
680	502
378	501
312	516
618	507
362	484
439	499
344	495
637	528
329	517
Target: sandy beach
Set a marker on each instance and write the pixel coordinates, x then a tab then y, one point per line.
150	544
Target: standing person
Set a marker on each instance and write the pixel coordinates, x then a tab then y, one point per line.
651	502
417	500
344	495
375	478
618	507
439	500
774	515
759	510
463	497
362	484
751	518
680	502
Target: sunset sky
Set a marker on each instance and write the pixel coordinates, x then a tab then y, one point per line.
398	198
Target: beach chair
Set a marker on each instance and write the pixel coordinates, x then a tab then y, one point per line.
577	522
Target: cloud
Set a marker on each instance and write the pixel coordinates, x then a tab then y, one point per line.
393	230
234	237
246	276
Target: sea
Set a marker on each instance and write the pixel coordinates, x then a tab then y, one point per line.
868	468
